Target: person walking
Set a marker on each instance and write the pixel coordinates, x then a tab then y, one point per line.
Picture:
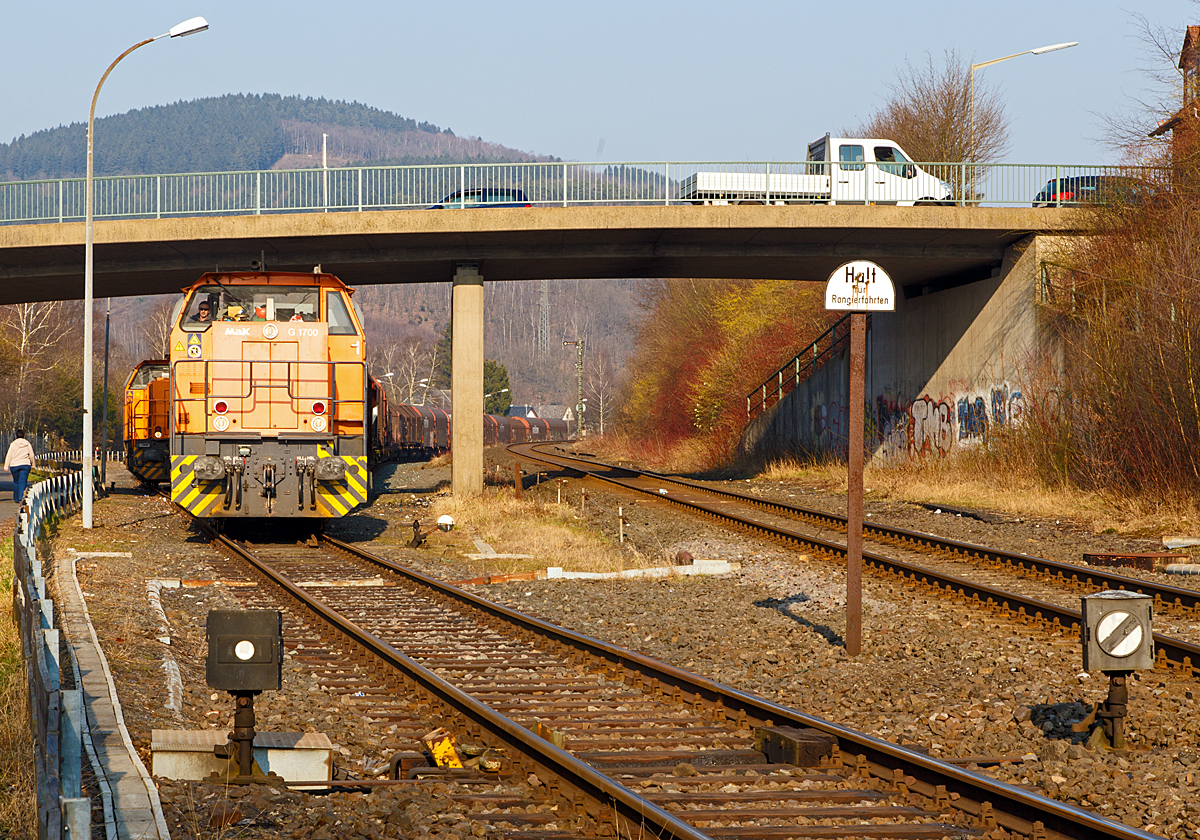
18	462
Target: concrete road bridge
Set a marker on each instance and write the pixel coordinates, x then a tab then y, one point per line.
926	249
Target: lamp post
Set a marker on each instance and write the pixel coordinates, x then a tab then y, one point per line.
188	27
982	64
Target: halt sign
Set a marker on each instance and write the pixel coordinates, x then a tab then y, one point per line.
860	286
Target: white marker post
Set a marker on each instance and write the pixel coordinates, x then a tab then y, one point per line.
857	287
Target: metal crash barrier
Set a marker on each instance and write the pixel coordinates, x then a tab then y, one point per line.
56	714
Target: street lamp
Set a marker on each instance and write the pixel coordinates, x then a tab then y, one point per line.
982	64
188	27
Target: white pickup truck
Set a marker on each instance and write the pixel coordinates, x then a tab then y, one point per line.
838	171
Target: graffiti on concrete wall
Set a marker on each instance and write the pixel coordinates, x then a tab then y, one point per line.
900	428
932	426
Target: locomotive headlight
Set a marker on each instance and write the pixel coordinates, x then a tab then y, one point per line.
220	406
220	423
158	431
317	424
318	407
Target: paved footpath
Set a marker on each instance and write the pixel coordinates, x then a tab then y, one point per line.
8	508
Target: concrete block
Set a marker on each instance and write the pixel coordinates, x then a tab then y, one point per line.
188	754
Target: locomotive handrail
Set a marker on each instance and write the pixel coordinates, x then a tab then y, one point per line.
335	402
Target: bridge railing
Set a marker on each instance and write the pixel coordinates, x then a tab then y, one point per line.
563	184
805	364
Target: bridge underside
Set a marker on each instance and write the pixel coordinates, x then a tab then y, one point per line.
923	248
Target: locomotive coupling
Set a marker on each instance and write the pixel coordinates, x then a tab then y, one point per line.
209	468
331	469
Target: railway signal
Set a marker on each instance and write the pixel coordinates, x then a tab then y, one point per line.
1117	640
245	658
857	287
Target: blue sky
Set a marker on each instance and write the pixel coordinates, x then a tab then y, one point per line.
752	80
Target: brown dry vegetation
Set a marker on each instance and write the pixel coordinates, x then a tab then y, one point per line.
702	346
1122	415
980	482
17	803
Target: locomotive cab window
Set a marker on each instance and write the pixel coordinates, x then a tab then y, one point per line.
249	303
338	315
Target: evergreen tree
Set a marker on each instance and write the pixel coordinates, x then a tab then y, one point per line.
495	382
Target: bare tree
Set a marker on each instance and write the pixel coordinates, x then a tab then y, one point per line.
929	113
32	331
402	365
156	328
602	387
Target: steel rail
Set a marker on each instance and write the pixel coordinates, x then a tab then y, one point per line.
1164	594
1175	652
1014	809
639	814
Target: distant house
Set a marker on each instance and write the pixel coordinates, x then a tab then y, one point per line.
521	411
555	412
1184	125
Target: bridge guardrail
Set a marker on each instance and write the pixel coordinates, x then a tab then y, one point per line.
561	184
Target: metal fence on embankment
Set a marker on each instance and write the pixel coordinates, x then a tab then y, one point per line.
565	184
781	383
56	713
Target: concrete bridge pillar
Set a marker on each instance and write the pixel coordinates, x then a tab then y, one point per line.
466	382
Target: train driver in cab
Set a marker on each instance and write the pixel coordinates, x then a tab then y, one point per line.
203	313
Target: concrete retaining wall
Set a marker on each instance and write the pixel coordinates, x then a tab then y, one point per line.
943	371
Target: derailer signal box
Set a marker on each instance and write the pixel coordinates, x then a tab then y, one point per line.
245	650
1116	632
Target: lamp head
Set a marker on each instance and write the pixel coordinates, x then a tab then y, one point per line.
1054	47
189	27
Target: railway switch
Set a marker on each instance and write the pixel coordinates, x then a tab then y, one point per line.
245	658
1117	640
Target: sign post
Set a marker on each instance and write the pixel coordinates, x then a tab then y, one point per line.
857	287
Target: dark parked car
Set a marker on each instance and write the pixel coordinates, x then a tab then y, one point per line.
483	197
1091	189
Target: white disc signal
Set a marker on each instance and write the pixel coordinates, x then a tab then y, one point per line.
1119	633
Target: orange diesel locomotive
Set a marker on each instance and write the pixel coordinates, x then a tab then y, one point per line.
147	435
269	396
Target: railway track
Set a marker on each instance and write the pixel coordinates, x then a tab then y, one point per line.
1043	603
623	744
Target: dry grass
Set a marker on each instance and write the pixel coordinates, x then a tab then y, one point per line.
976	482
18	819
681	456
554	534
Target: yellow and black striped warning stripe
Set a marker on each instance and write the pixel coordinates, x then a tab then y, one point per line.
194	496
337	498
145	469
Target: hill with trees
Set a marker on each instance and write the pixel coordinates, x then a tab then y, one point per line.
241	132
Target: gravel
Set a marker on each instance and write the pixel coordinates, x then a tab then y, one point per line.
932	673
